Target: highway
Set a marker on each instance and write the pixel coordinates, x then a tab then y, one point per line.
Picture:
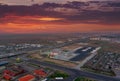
74	72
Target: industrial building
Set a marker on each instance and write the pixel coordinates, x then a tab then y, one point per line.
3	63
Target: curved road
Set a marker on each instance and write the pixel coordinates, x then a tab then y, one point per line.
75	73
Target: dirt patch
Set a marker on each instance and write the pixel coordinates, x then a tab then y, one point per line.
61	62
71	47
36	56
55	61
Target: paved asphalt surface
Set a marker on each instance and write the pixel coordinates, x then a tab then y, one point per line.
82	54
75	73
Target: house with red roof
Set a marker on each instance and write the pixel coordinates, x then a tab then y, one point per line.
27	78
40	73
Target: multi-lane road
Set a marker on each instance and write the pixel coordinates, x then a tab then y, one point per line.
74	72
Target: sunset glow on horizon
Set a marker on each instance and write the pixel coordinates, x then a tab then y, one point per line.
52	18
33	25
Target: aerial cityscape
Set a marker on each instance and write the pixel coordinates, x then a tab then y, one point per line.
59	40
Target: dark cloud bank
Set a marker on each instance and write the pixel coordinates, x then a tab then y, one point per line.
100	12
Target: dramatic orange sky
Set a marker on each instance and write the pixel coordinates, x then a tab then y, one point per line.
50	18
30	24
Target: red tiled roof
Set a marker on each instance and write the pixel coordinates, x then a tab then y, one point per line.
13	72
40	72
7	77
27	78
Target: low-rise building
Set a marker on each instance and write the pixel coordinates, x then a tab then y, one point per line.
40	73
12	71
27	78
